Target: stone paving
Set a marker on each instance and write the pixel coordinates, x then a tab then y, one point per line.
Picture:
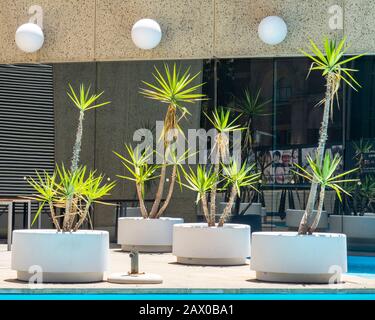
178	279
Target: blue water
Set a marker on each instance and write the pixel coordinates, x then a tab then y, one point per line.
361	266
251	296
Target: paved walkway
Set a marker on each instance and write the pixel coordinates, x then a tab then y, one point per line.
178	279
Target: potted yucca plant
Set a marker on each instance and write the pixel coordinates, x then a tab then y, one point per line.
306	256
152	232
66	254
324	254
216	242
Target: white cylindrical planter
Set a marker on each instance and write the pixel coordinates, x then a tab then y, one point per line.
196	243
289	257
294	217
146	235
355	227
80	256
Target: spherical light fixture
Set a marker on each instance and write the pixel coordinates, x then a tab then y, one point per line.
146	34
272	30
29	37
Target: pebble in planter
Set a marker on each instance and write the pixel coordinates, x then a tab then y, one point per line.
66	254
216	242
152	232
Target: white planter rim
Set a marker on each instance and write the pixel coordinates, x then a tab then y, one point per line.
55	232
204	225
151	219
295	234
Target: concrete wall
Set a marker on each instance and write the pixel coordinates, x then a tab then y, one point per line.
108	128
99	30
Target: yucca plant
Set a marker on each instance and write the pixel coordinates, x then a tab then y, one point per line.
201	181
46	194
324	175
249	107
84	102
221	120
74	192
331	63
205	180
237	177
176	89
140	171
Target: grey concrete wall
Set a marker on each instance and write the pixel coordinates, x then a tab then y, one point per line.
108	128
99	30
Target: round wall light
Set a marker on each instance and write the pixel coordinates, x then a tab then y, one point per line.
146	34
29	37
272	30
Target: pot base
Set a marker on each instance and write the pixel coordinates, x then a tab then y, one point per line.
146	249
323	278
63	277
212	261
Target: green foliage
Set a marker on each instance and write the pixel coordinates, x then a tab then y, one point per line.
243	176
79	187
174	87
137	164
222	122
324	174
83	100
201	181
331	60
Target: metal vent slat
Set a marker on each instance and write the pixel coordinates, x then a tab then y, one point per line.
27	131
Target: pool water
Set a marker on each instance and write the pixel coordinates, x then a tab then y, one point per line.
361	266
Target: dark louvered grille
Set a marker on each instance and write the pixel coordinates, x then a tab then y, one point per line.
26	125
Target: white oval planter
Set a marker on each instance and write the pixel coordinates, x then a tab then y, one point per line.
80	256
289	257
196	243
146	235
355	227
294	217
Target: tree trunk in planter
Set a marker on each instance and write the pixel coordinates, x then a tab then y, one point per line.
78	143
228	207
319	213
211	221
304	226
170	192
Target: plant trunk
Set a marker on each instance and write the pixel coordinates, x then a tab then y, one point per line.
83	217
304	225
141	201
170	192
214	188
67	214
159	193
53	217
319	213
228	207
205	209
77	144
